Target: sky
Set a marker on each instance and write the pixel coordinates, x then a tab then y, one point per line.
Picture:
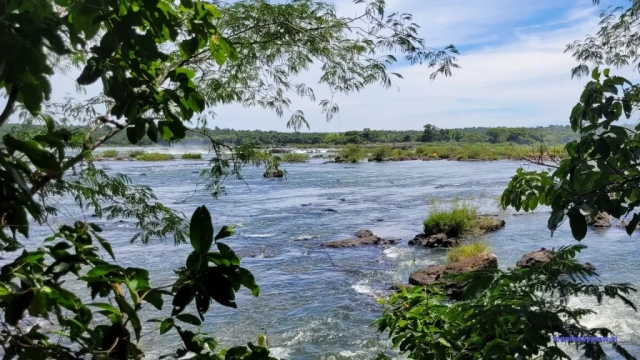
514	71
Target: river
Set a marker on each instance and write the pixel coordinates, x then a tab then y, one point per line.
319	304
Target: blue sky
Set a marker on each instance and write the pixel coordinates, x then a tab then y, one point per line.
514	71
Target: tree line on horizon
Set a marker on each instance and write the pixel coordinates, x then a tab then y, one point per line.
551	135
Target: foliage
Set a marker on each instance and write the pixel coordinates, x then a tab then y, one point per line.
505	315
601	172
467	250
381	153
158	65
294	157
454	222
352	154
110	154
154	157
272	166
135	153
192	156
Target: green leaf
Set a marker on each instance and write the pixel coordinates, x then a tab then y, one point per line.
101	270
201	230
90	74
164	130
578	224
132	135
126	308
32	97
225	232
38	304
248	281
189	319
187	3
17	305
631	227
595	74
166	325
106	307
556	218
154	297
152	131
105	245
606	72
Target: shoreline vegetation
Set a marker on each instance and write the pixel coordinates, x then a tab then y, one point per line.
378	153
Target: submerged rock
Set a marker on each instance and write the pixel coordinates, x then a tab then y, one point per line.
437	273
542	256
330	210
273	174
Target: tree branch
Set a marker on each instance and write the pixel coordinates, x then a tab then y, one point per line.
11	101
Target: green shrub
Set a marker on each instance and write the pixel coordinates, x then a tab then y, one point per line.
192	156
135	153
154	157
454	222
110	154
381	153
294	157
467	250
352	153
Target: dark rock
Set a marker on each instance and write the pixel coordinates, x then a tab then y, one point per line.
343	199
94	215
369	240
143	174
274	174
379	220
309	204
330	210
436	273
434	241
364	233
535	257
601	220
542	256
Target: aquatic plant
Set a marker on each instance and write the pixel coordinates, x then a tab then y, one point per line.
352	153
192	156
110	154
154	157
467	250
135	153
294	157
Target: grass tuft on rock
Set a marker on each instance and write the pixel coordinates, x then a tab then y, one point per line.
135	153
192	156
454	222
154	157
110	154
468	250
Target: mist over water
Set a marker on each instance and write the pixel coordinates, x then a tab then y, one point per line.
317	303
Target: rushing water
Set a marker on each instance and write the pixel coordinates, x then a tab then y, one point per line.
319	304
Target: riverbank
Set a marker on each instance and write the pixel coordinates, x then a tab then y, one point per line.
355	153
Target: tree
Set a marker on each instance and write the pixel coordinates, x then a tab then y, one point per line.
160	65
431	133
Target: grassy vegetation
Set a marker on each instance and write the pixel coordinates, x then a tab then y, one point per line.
352	153
154	157
468	250
110	154
192	156
294	157
454	222
135	153
381	153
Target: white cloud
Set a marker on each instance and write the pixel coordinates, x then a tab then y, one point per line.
524	81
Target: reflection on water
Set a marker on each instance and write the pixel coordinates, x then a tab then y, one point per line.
318	303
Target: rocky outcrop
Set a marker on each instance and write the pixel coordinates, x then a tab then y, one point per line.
542	256
437	273
273	174
601	220
483	225
363	237
434	241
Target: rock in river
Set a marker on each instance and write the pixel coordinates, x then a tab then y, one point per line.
436	273
363	237
542	256
432	241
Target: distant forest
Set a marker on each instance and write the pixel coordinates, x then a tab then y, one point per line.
551	135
